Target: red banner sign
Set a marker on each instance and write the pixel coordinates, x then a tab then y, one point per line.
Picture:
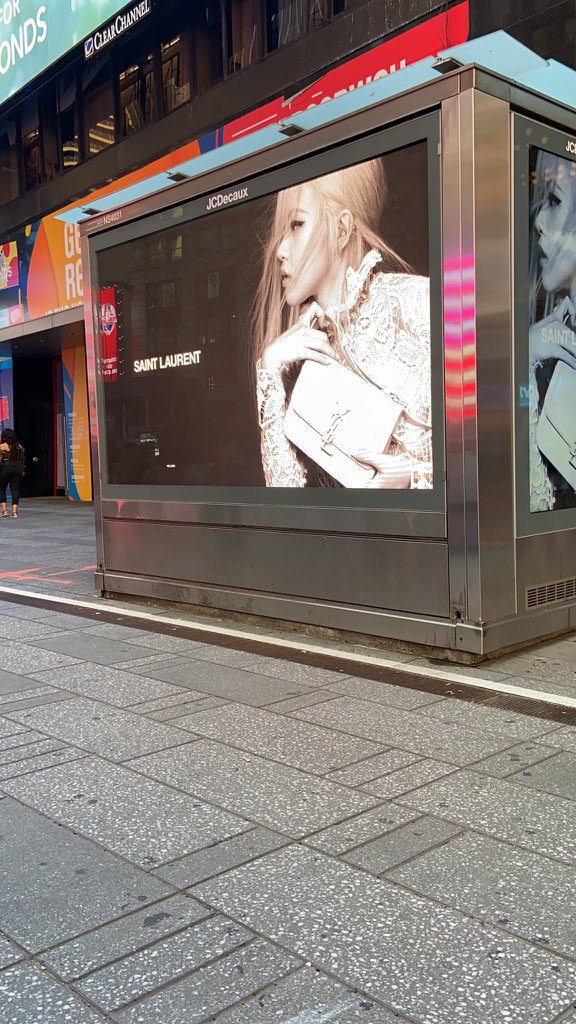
109	333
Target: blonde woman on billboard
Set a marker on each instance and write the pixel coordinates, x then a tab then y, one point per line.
552	341
335	295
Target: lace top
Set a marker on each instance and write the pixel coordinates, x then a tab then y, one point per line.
382	330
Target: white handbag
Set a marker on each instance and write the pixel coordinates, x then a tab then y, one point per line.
556	430
334	413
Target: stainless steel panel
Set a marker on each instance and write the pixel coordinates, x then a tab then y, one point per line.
401	575
391	522
90	305
478	355
365	621
494	357
543	558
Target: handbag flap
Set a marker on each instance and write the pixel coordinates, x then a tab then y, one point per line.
560	402
343	409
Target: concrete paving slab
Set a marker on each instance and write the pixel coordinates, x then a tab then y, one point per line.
13	699
12	628
83	647
8	954
55	885
111	732
220	857
556	775
384	693
511	761
564	737
128	934
25	659
105	683
277	797
10	682
230	683
442	741
213	988
498	721
143	972
346	835
372	768
425	961
521	892
404	843
308	997
294	672
297	743
503	810
405	779
140	819
28	996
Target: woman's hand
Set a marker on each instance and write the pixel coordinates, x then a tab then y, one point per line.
393	472
550	338
302	341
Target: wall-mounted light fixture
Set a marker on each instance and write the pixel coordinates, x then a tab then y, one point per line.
177	176
446	64
289	128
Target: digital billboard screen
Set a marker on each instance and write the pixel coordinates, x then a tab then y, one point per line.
281	341
552	332
33	35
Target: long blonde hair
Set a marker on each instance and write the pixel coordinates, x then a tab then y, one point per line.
362	190
549	169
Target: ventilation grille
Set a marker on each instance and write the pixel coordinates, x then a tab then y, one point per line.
551	593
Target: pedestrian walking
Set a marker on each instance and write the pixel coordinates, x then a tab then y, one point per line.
11	470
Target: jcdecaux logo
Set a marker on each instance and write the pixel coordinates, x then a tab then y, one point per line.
108	33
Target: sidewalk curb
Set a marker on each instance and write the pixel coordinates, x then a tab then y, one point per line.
503	695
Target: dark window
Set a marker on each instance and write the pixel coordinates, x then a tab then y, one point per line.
9	186
30	132
207	44
137	93
99	122
175	56
49	133
345	5
242	34
287	20
69	128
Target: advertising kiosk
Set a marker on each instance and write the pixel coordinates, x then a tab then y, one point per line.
332	369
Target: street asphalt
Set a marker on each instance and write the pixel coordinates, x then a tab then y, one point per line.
194	832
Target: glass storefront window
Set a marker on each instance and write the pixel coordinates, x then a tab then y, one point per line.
30	132
137	95
175	71
288	20
99	121
9	185
242	34
69	130
207	45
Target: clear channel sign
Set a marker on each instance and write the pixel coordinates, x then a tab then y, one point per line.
35	34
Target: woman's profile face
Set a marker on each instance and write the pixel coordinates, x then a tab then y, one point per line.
304	277
557	237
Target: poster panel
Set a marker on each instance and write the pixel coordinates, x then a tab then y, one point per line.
282	341
552	331
77	424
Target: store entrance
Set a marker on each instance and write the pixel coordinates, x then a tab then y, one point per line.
34	422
